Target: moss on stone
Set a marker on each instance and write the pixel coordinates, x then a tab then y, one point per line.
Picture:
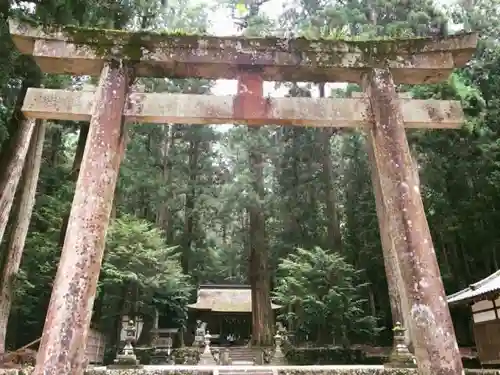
351	371
135	45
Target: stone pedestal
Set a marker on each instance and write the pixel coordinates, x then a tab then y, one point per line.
162	356
400	356
126	359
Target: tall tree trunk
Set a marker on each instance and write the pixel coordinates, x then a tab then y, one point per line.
114	208
189	215
56	141
260	278
20	226
292	221
324	135
73	176
164	215
12	174
121	312
99	305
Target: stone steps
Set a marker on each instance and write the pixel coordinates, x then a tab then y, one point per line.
235	371
242	355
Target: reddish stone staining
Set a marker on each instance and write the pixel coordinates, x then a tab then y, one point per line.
249	103
436	348
64	338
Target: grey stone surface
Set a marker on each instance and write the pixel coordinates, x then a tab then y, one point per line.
277	370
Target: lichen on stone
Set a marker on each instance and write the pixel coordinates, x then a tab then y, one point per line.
324	52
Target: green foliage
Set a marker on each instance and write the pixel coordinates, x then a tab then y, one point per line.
186	355
136	251
137	255
321	293
331	355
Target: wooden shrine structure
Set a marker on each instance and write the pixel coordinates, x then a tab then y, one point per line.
483	298
119	57
226	309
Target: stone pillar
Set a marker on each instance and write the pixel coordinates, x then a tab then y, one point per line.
436	349
400	310
13	171
62	347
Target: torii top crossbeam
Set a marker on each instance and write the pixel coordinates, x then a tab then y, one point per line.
79	51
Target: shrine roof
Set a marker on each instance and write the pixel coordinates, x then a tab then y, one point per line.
79	51
478	291
225	298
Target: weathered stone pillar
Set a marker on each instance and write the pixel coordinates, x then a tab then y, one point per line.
436	349
397	296
13	171
62	348
400	310
20	225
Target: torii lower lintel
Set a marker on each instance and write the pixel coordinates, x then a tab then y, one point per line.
207	109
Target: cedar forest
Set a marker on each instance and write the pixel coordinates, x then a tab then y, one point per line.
289	210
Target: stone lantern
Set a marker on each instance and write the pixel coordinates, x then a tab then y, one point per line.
127	358
400	356
207	358
278	358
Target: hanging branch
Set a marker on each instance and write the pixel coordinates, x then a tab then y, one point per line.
252	8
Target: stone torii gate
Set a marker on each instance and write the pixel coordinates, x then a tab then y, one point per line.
118	57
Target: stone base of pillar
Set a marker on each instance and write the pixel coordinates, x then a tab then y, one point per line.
278	359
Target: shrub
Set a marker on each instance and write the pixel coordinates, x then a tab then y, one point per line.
329	356
335	355
188	354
